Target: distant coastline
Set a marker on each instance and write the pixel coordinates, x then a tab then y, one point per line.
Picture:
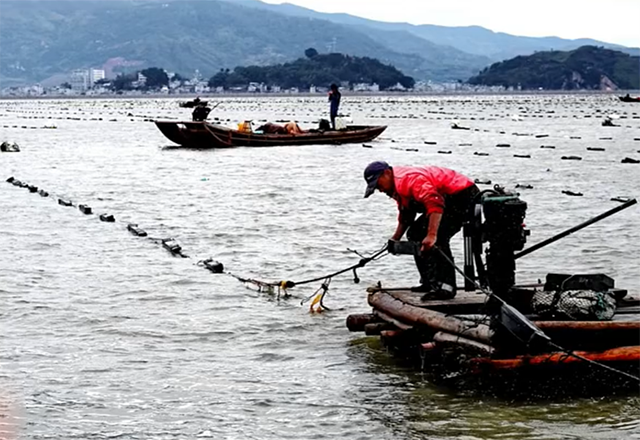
319	95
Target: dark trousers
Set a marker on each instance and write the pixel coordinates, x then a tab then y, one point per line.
433	267
333	119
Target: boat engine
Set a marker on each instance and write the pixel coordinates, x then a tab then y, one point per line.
504	231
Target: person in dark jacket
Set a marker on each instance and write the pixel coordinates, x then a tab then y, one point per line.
444	198
334	99
200	113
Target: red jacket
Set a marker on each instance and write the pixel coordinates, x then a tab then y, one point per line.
426	187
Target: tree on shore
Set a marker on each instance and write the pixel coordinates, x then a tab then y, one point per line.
156	78
321	69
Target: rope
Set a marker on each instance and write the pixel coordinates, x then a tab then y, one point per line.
175	249
318	296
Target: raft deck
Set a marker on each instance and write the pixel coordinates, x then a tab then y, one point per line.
456	337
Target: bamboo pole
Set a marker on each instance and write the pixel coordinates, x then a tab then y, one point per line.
563	234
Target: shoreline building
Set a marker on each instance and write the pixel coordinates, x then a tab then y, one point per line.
79	80
83	79
96	75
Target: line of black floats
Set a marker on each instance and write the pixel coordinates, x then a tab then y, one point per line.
169	244
172	246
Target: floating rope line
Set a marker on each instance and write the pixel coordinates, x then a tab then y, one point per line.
174	248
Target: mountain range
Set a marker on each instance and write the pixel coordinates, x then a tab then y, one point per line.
41	39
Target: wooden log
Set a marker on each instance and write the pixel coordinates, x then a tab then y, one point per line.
447	339
375	328
356	322
620	354
434	320
464	303
386	318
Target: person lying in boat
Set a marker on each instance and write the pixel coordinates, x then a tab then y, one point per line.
271	128
288	128
444	199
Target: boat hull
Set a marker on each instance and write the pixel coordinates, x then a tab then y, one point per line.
457	347
629	99
205	135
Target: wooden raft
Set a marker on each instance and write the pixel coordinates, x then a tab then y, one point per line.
402	319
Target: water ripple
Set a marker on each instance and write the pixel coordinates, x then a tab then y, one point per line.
107	336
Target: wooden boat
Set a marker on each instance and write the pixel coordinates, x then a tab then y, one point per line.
454	343
629	99
206	135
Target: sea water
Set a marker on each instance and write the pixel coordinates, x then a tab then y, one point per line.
107	335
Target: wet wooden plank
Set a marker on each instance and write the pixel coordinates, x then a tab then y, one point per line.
469	303
464	303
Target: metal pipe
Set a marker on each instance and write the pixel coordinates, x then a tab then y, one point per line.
557	237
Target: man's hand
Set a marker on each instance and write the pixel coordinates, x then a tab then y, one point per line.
428	243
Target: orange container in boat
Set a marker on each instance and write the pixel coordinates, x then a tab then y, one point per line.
244	127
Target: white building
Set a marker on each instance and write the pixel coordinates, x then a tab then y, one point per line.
364	87
96	75
256	87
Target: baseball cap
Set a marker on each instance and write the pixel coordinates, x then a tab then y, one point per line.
372	173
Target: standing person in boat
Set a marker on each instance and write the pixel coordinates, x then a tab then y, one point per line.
444	198
200	113
334	99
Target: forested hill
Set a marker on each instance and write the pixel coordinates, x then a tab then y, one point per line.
588	67
39	39
316	69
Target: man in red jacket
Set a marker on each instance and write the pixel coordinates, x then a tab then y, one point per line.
444	198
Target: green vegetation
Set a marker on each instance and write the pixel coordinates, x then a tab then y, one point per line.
588	67
316	69
156	78
41	39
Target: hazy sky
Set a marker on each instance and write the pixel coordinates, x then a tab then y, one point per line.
612	21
